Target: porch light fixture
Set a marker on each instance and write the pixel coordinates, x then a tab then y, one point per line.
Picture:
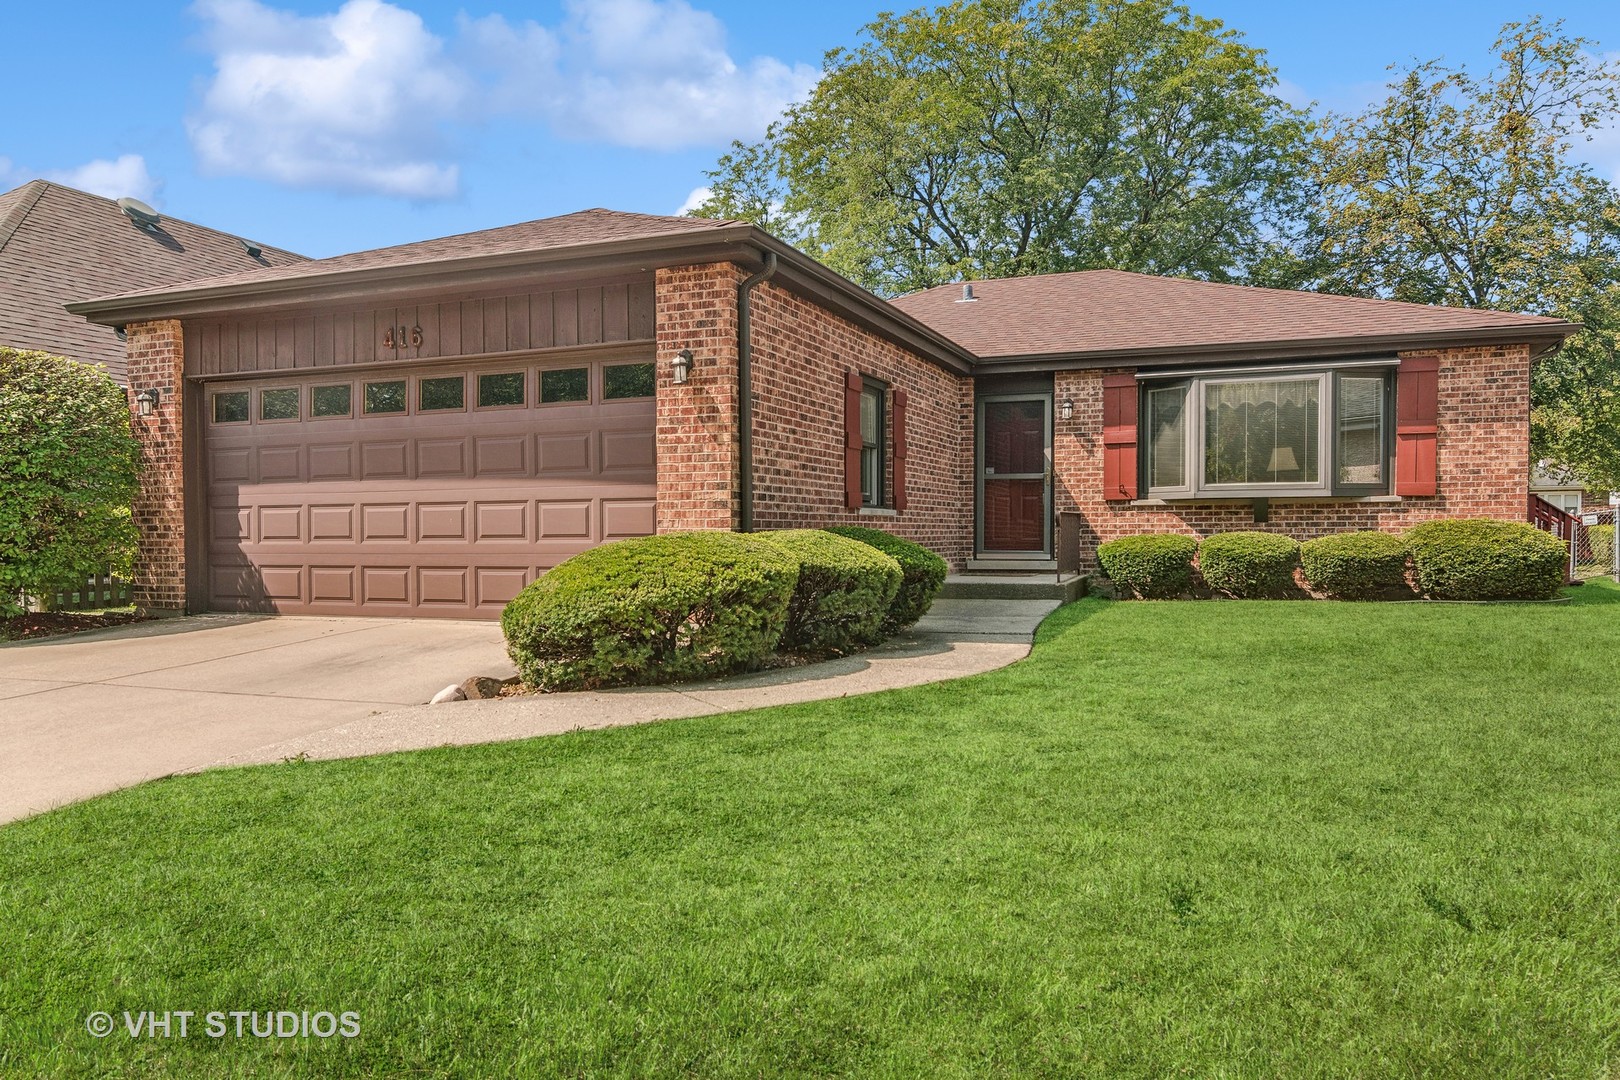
681	365
1066	410
146	401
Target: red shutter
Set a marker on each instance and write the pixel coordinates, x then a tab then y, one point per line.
898	422
1119	436
852	440
1417	425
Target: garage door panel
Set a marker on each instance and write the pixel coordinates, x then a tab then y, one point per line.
384	522
505	455
332	462
501	521
441	521
280	464
441	457
564	520
330	524
624	518
562	454
331	584
448	514
384	460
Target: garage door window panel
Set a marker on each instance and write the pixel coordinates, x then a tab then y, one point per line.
621	381
231	407
502	390
560	386
279	404
443	394
385	398
326	402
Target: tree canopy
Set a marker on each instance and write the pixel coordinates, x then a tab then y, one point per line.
999	137
1464	191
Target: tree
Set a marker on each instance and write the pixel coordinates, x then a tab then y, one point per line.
68	471
1463	191
998	137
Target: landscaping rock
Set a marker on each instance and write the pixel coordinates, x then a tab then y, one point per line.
449	693
481	687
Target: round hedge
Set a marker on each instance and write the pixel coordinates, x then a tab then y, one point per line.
1249	565
1600	541
1356	565
1152	565
1481	559
652	609
922	573
844	591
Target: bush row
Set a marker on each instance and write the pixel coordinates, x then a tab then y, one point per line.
691	605
1454	559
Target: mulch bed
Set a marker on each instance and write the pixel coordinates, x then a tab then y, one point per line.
43	624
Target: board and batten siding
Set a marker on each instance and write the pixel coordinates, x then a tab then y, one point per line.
554	318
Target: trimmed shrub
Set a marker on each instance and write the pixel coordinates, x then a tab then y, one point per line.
844	591
653	609
1149	566
1249	565
1600	538
1356	565
921	574
1481	559
68	471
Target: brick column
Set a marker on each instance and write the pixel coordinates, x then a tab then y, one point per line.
697	420
155	359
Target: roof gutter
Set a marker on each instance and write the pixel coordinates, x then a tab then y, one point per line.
745	392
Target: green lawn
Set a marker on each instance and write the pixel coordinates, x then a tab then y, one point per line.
1203	839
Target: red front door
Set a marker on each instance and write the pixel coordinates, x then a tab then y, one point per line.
1013	479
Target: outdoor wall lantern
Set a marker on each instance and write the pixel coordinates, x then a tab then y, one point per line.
682	365
1066	410
146	401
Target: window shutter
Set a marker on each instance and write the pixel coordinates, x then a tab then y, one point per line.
852	440
1417	425
1119	436
898	423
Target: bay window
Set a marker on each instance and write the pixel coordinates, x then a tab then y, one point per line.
1236	435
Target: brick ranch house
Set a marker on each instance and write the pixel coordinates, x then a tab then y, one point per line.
422	430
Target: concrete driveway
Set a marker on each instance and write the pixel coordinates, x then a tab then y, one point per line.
88	714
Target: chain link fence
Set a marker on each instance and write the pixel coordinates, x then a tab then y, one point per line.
1592	551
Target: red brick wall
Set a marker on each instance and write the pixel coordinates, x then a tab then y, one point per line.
155	358
801	353
1483	463
697	421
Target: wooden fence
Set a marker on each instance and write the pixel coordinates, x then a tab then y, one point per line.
98	591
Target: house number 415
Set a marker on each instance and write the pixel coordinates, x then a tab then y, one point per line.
399	337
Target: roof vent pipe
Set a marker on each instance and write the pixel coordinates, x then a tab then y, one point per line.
967	294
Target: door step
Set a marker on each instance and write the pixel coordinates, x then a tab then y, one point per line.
1026	586
1010	566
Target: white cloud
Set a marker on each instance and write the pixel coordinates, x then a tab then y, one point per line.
351	101
365	98
114	179
697	198
651	74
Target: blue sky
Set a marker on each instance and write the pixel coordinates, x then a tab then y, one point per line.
327	126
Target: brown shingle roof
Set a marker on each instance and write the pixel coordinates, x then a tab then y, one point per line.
1115	314
58	245
579	229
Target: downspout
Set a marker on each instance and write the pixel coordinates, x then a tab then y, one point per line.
745	393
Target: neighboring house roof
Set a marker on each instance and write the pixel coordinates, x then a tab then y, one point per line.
1094	318
1549	477
58	244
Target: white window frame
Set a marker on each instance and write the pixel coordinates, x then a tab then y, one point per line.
1196	382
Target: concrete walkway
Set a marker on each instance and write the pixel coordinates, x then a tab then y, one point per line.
956	639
